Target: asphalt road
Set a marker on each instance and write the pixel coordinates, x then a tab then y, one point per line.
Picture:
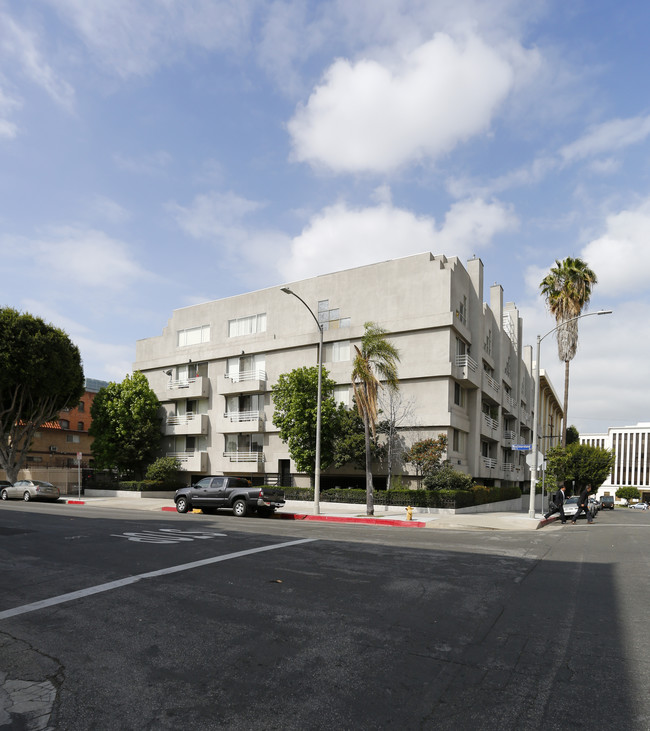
115	620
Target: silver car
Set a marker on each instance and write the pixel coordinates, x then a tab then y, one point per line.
31	490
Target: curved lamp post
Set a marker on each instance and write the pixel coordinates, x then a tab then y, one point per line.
533	471
286	290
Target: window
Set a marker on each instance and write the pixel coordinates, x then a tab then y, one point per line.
338	352
194	336
330	319
457	440
81	407
247	325
80	426
461	347
74	438
487	345
462	311
64	423
342	395
459	395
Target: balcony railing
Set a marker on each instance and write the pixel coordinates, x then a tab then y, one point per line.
464	361
509	403
509	436
494	385
244	456
252	375
491	423
241	416
182	419
489	462
508	467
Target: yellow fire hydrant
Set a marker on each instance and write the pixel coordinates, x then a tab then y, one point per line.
409	513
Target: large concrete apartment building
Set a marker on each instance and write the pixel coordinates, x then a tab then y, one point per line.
463	368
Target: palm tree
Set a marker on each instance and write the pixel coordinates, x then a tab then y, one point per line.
375	361
567	290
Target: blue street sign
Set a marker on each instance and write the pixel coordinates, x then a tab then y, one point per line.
521	447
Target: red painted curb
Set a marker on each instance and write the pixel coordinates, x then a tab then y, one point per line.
366	521
336	519
75	502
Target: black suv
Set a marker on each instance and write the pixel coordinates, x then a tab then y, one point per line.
607	501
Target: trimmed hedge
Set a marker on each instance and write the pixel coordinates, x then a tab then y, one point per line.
147	486
478	495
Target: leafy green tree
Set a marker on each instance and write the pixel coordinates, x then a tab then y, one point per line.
126	426
350	445
164	469
628	493
426	455
572	435
581	464
40	374
567	291
447	478
375	361
295	400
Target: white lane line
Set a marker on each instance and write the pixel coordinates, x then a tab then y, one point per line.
133	579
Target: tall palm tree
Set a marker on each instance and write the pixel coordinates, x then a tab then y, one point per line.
567	290
375	361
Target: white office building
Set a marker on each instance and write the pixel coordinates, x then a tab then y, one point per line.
463	368
631	445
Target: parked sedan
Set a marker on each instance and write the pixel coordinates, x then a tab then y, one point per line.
31	490
571	506
639	506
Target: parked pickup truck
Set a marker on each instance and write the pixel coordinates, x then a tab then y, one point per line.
236	493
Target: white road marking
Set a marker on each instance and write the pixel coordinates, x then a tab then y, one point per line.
71	596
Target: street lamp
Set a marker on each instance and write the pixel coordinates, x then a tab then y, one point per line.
533	472
286	290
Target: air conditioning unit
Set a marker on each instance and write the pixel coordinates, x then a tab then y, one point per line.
53	448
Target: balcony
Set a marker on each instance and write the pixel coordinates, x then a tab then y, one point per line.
465	370
187	424
489	463
186	388
489	427
191	461
244	382
491	387
243	422
509	436
509	404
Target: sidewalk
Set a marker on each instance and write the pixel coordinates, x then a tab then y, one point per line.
333	513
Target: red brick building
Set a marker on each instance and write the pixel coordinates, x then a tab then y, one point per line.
57	443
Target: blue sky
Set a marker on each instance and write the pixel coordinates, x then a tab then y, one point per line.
156	154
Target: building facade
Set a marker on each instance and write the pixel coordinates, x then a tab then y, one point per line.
631	446
463	368
57	443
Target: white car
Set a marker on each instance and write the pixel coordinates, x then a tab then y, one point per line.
639	506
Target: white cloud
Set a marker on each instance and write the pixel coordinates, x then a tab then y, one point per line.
20	45
214	215
368	116
87	257
109	209
135	37
341	237
607	137
152	163
621	256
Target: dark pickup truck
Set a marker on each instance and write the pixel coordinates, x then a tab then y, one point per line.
607	501
236	493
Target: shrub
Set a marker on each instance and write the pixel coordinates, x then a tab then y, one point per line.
447	478
164	469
